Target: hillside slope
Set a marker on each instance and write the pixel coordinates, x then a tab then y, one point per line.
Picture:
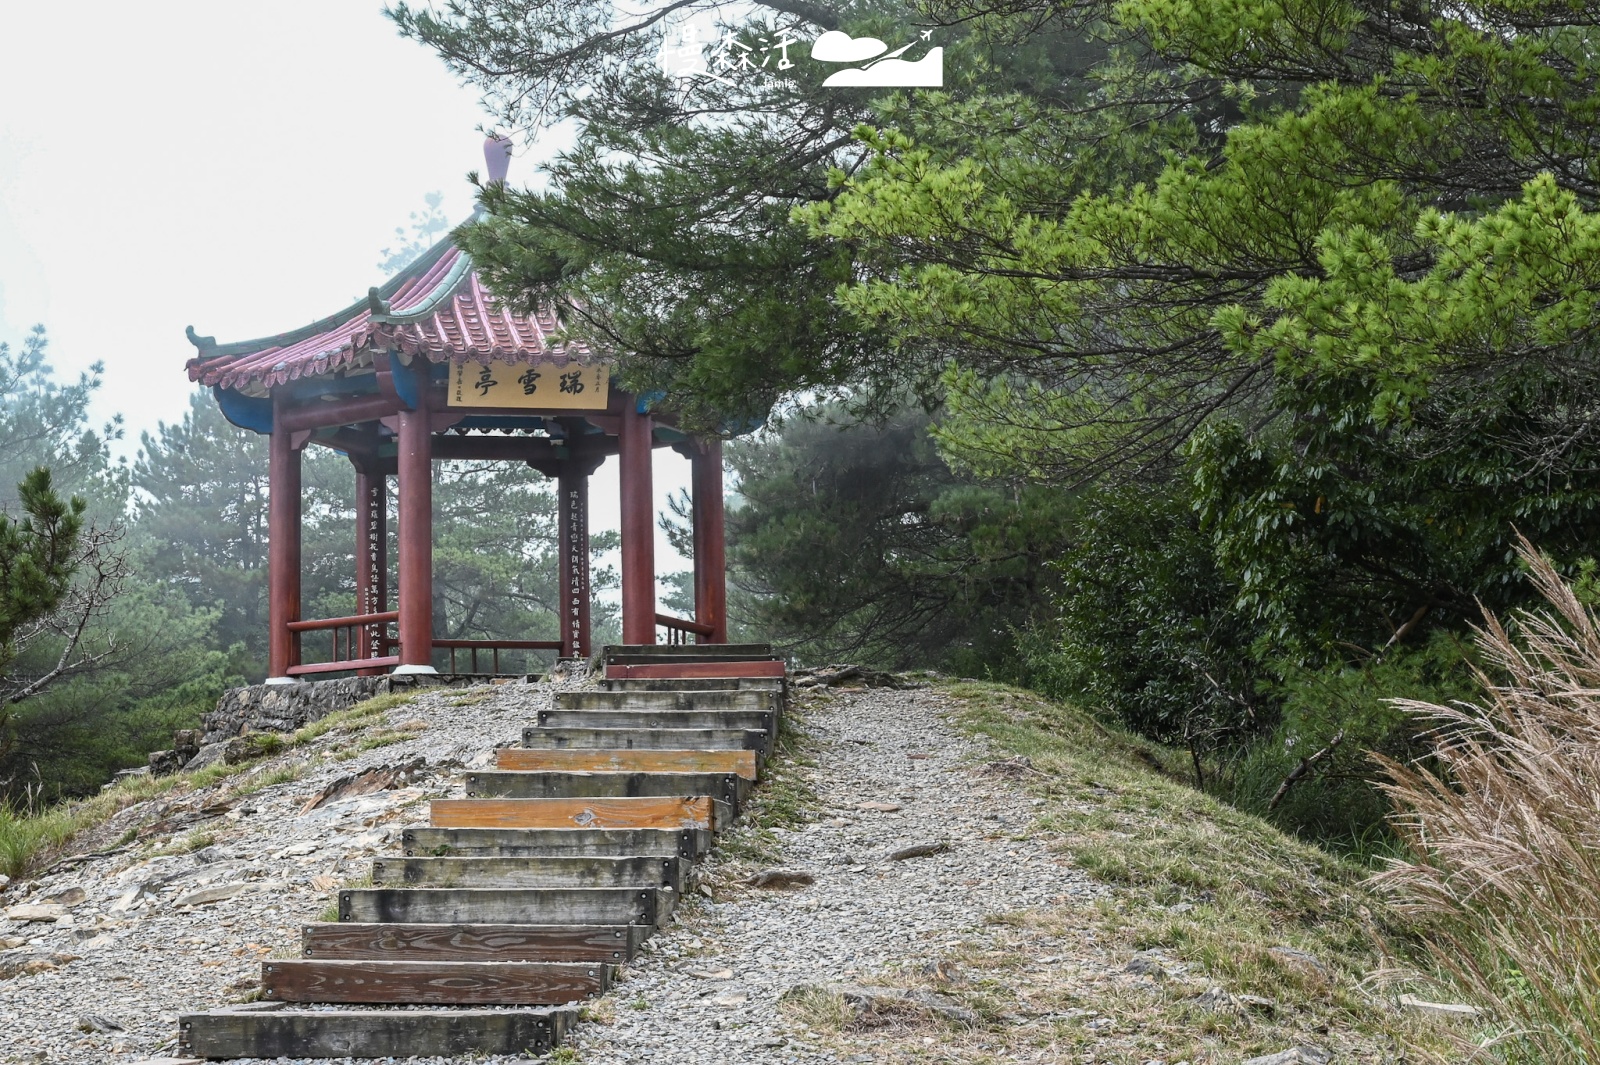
1064	900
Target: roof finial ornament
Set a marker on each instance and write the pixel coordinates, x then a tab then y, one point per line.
497	157
205	346
377	306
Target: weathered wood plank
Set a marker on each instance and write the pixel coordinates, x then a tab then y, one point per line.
573	872
675	699
372	1034
471	942
577	906
701	684
740	763
545	739
765	721
683	670
622	812
433	983
682	660
533	784
422	842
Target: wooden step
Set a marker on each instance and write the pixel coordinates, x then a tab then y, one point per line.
546	739
537	784
741	763
673	699
282	1033
674	812
471	942
688	670
433	983
576	906
635	872
702	684
422	842
648	659
687	650
762	720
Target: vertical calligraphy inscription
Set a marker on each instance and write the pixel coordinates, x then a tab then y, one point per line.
377	561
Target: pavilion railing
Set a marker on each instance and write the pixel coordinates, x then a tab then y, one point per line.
494	647
351	642
678	630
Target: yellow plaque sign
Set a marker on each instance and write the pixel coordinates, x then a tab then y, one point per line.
536	386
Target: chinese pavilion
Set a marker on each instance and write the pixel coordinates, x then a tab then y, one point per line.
429	367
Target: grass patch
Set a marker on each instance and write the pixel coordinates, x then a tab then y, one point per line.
1221	899
599	1011
31	839
198	840
282	774
372	742
352	719
784	799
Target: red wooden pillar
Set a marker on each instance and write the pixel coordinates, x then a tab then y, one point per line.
283	549
372	562
638	527
415	488
572	484
710	552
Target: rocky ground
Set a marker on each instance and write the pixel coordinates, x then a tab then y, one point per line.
904	847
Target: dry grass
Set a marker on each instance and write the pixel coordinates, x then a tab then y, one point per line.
1504	834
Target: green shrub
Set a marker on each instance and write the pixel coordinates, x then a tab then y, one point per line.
1338	799
1146	630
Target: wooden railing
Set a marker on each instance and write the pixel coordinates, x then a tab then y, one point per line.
352	644
680	629
495	646
354	654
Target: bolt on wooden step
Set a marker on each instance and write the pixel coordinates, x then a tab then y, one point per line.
611	944
278	1033
422	842
435	983
634	739
555	906
645	811
533	784
764	721
634	872
741	763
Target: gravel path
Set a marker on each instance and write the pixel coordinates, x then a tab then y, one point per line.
866	916
706	990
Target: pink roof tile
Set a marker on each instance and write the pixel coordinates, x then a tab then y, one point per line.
437	310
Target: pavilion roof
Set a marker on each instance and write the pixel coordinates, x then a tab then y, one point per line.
435	309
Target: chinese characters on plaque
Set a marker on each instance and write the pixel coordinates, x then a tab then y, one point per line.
537	386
